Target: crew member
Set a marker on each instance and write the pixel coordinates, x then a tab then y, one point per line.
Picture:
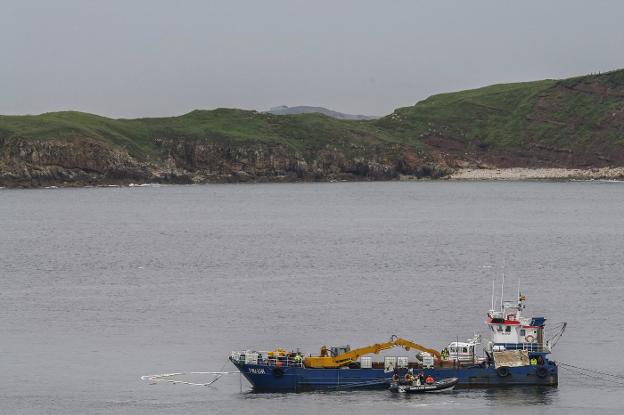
298	358
323	351
408	378
395	375
429	380
533	361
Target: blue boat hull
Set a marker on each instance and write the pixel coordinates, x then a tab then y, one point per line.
265	378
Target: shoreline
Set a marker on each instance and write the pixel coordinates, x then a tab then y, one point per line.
512	174
528	174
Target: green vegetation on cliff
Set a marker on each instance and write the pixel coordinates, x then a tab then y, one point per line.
494	113
572	122
576	122
221	125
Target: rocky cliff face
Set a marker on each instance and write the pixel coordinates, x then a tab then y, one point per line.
80	162
35	163
576	123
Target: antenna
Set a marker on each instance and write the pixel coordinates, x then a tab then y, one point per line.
492	308
502	289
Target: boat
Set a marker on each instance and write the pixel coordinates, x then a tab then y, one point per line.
517	354
442	385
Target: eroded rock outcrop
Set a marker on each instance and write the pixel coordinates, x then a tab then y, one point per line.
80	162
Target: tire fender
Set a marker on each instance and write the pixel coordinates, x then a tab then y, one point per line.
541	372
503	371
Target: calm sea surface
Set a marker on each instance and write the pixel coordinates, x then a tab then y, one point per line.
100	286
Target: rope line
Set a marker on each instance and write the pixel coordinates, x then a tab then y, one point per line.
594	374
591	370
166	377
352	385
609	381
170	377
555	332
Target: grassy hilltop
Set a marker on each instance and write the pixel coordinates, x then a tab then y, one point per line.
576	122
220	125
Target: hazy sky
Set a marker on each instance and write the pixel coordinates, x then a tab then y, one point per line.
151	58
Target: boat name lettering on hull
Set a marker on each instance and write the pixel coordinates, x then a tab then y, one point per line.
257	371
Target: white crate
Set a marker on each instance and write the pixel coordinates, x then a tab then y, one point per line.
427	360
402	362
251	358
366	362
390	363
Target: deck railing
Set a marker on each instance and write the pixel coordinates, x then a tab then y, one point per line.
529	347
262	358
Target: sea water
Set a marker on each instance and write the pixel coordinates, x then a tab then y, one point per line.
99	286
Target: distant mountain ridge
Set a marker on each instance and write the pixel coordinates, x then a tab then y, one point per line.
304	109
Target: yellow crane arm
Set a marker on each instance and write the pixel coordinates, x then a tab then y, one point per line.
352	355
345	358
406	344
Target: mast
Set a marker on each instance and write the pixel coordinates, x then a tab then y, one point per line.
502	290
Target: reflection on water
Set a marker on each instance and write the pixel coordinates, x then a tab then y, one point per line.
519	400
521	395
494	396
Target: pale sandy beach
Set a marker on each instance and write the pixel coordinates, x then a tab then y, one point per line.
519	173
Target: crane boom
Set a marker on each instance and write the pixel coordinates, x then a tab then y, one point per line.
407	344
351	356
